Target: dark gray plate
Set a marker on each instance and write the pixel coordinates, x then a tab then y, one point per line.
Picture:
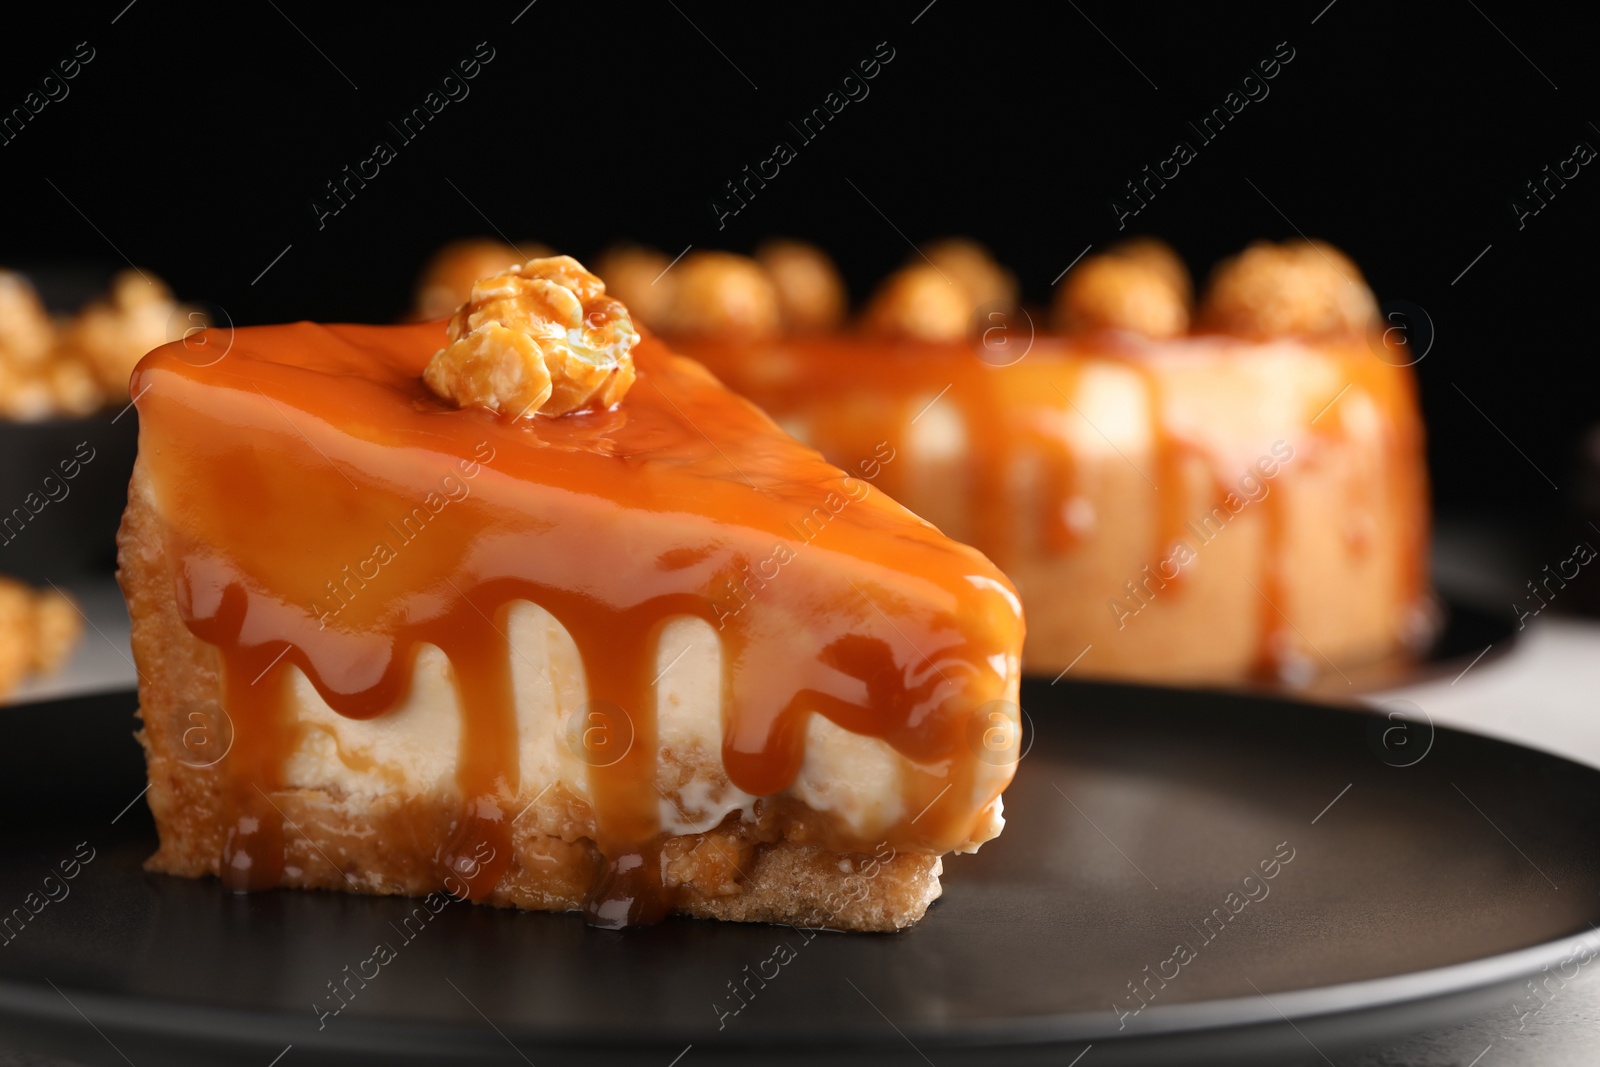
1415	894
1468	635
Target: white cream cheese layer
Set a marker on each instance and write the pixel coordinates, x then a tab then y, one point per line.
859	781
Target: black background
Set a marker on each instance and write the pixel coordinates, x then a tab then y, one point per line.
195	141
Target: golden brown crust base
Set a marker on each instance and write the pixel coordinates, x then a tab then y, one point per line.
740	871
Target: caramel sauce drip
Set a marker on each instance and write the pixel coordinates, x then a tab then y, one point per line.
1272	626
1170	455
1059	485
327	513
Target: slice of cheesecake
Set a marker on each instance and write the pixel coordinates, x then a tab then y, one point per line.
534	612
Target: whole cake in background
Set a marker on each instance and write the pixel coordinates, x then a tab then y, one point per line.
1218	493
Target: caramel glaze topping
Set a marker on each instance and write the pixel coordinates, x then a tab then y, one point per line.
1009	412
281	469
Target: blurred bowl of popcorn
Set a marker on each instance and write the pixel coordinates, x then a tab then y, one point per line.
68	431
38	630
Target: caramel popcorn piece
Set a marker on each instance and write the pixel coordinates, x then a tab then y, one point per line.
16	634
719	294
541	338
1299	287
38	631
638	277
1140	286
811	295
26	332
75	367
446	282
74	389
25	393
970	266
57	626
111	335
918	301
1158	257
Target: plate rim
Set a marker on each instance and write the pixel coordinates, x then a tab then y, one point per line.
158	1017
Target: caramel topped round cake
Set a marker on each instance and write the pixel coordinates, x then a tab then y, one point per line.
532	610
1188	494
